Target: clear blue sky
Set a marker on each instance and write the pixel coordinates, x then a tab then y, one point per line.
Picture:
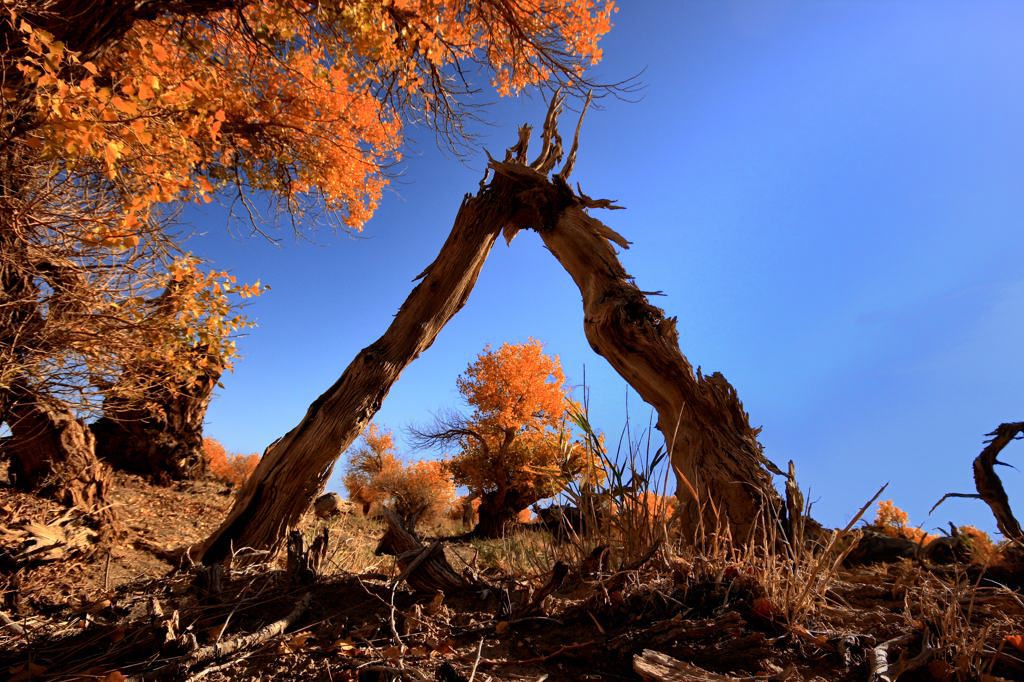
829	193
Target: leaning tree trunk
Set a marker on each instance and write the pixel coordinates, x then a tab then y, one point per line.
294	469
52	452
160	436
724	479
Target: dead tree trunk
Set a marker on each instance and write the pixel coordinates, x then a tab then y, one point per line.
161	435
294	469
724	479
52	452
988	484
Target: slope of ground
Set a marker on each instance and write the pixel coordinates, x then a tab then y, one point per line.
533	609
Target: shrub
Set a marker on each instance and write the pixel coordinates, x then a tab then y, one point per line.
416	491
229	468
894	522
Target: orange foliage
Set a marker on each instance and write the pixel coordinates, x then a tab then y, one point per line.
415	491
979	545
230	468
304	102
895	522
647	507
518	436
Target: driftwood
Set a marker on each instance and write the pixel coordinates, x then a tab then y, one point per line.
986	481
425	568
658	667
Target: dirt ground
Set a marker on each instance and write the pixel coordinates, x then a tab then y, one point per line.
138	610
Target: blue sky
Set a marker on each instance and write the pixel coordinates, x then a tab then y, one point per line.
829	194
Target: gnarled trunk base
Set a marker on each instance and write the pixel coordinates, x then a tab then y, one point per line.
162	436
51	452
499	510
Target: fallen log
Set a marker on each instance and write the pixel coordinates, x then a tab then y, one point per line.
425	568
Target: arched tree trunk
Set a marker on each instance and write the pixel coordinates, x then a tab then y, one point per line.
52	452
162	435
293	470
724	479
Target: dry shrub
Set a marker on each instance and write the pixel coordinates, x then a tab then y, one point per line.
230	468
416	491
895	522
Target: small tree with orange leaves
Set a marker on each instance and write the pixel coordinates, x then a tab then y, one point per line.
895	522
516	446
416	491
230	468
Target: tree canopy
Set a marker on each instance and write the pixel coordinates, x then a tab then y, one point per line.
115	112
516	446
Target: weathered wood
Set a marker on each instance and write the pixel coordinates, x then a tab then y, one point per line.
724	481
295	468
794	527
304	563
655	666
224	649
425	568
987	481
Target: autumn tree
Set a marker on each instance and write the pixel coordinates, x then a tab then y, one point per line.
153	412
233	468
416	491
515	446
373	456
131	107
